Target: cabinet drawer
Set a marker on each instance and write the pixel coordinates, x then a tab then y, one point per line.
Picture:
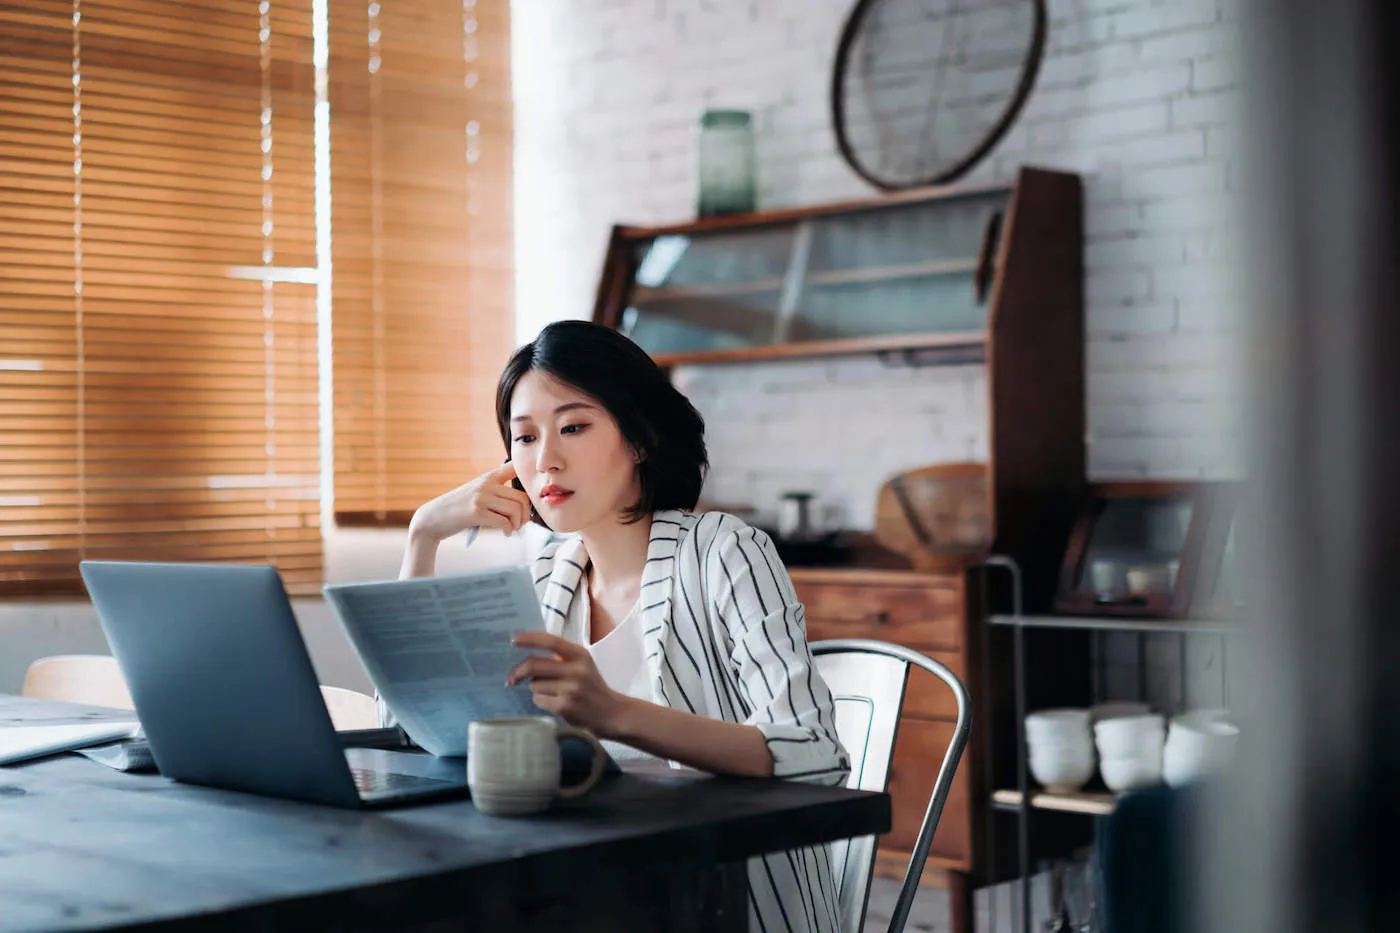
918	752
917	616
927	697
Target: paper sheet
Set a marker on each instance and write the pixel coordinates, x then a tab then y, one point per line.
438	648
21	743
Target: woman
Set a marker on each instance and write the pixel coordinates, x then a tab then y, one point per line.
674	633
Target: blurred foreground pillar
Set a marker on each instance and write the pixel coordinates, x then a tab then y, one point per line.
1307	835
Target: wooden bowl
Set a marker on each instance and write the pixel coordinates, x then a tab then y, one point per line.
936	514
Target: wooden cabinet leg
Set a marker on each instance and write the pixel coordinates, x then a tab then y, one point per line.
960	916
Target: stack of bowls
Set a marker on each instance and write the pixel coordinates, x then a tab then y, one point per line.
1130	751
1198	744
1061	749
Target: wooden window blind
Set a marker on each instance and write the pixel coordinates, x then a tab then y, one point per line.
421	246
158	370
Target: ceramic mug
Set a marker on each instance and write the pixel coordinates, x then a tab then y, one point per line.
513	764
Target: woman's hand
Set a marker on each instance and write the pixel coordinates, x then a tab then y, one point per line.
568	684
489	501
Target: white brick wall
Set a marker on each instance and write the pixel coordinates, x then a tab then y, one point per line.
1134	94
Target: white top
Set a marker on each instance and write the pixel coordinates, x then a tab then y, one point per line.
619	656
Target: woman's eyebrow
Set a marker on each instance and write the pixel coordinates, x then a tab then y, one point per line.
569	406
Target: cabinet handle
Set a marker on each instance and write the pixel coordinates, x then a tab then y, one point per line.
986	257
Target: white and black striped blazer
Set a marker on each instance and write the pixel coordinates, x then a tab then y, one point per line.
725	637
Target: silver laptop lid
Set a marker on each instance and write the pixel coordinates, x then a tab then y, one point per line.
221	678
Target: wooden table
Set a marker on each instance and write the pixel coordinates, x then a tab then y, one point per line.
84	847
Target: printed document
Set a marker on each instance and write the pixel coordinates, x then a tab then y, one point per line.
438	648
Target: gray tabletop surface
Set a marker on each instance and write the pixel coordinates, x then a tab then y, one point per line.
85	847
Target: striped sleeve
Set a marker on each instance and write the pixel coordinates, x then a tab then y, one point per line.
791	704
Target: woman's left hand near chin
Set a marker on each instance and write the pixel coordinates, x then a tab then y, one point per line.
568	684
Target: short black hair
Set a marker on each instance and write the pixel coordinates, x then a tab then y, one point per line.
656	420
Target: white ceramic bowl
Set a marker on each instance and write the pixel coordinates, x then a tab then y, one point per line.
1059	728
1051	723
1125	774
1062	774
1181	767
1197	747
1076	746
1126	736
1074	752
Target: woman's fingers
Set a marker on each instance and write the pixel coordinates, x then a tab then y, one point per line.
560	646
511	503
490	518
539	670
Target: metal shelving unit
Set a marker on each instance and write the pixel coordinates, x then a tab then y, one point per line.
1114	624
1089	804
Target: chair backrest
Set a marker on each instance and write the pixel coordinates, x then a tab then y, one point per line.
350	709
867	680
95	679
868	690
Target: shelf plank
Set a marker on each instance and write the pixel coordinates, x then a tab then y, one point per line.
974	341
1087	803
644	294
1121	624
913	270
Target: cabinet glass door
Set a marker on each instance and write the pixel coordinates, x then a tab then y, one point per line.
883	271
900	270
718	291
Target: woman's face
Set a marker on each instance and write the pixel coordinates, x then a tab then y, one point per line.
569	454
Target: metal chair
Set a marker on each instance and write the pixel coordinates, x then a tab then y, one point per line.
96	680
867	680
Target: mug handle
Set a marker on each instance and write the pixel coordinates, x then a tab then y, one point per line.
594	773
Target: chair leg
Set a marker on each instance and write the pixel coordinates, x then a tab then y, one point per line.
960	916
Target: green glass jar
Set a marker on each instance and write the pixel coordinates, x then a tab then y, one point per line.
724	163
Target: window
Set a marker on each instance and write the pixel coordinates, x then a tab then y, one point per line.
158	384
158	273
421	247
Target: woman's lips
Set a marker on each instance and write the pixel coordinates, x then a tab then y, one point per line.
555	497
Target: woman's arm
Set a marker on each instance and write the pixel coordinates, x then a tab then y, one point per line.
420	556
695	741
489	501
569	685
749	589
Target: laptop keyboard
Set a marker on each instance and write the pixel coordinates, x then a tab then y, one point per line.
368	781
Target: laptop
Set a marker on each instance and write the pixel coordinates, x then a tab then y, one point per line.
227	696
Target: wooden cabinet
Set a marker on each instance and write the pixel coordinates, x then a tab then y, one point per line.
930	613
989	275
920	617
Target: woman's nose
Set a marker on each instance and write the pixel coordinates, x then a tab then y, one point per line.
547	456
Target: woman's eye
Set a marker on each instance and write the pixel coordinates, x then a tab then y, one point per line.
572	428
525	438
